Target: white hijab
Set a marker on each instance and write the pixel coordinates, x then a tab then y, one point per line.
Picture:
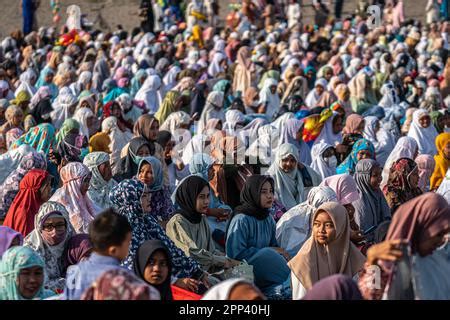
425	137
318	163
150	93
10	160
382	140
61	107
327	135
215	67
81	115
271	100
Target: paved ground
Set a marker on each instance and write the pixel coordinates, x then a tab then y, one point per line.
125	11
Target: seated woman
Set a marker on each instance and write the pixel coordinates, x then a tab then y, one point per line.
294	227
101	182
403	183
328	251
292	133
382	140
22	274
371	209
423	131
234	289
189	229
251	234
119	139
128	166
49	239
79	248
35	189
150	174
128	199
324	159
73	196
362	149
421	224
9	238
426	165
40	137
351	133
120	285
293	179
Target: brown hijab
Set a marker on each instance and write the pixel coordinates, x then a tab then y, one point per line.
143	125
419	219
315	262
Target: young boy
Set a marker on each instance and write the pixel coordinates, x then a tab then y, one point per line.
110	235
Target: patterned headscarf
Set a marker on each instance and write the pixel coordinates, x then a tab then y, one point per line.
13	261
41	138
349	164
126	198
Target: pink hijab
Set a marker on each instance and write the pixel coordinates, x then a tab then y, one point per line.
345	187
426	164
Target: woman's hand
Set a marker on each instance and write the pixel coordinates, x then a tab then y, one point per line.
188	284
389	250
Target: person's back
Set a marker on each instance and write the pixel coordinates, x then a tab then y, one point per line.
110	235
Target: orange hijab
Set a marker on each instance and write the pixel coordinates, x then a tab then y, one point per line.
442	164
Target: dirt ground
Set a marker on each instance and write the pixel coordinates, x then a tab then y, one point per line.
124	12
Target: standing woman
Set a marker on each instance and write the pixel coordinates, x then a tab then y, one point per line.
49	239
403	183
293	179
442	159
423	131
101	182
242	79
371	209
251	234
327	252
362	149
76	177
35	189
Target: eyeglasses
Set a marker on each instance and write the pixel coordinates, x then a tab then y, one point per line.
50	226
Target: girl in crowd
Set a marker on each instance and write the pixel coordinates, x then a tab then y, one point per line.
128	165
362	149
426	165
423	131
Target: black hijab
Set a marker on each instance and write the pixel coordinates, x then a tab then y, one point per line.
163	138
186	198
70	147
251	197
127	167
41	113
141	259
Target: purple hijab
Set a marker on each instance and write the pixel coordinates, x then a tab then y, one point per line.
7	236
78	248
335	287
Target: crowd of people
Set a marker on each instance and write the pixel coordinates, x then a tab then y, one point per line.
264	159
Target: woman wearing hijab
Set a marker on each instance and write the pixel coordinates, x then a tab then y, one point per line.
127	198
442	160
72	148
41	106
234	121
14	118
10	187
127	167
294	227
63	107
172	102
150	93
49	239
120	285
362	149
371	209
426	165
76	177
152	254
403	183
85	117
9	238
328	251
292	133
406	147
119	139
422	225
35	189
234	289
362	94
252	218
41	138
46	80
212	110
101	182
382	140
423	131
19	260
269	98
217	64
242	79
10	160
79	248
354	128
189	228
293	179
324	159
315	95
27	80
176	121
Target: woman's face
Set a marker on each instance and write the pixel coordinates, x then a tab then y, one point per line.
428	246
146	174
425	121
116	111
54	230
375	178
168	149
288	164
154	130
17	120
157	268
202	203
49	78
446	151
337	124
319	90
414	178
106	171
143	151
45	192
273	89
85	184
30	280
245	291
267	196
363	154
324	230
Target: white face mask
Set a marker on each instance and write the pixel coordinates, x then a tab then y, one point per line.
331	161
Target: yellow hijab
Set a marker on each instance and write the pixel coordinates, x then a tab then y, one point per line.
442	164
